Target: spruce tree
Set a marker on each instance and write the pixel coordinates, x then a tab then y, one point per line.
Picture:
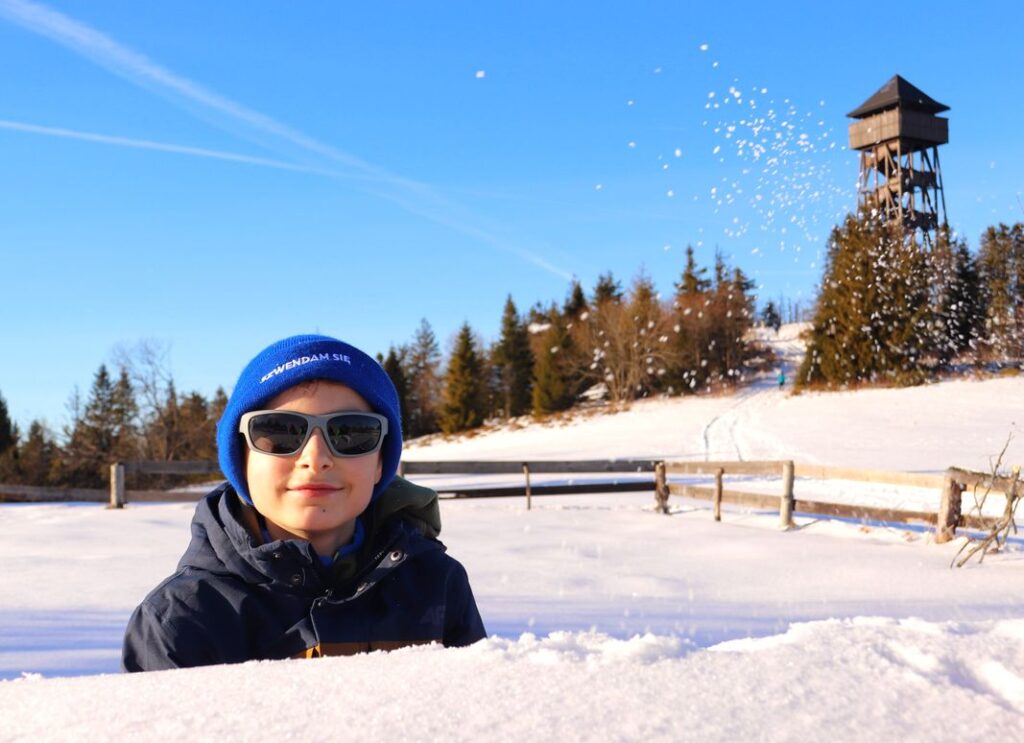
576	303
422	370
393	364
1001	265
93	435
7	438
9	447
124	412
217	404
513	364
36	456
552	376
693	281
873	312
957	306
607	289
464	398
770	316
689	364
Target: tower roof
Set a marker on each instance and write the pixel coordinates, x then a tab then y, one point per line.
898	92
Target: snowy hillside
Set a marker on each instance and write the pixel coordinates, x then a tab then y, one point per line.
607	620
962	423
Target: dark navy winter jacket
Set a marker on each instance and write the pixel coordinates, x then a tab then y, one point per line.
234	599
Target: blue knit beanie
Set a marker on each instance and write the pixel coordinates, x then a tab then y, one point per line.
298	359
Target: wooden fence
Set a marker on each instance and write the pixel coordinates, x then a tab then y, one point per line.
117	494
946	519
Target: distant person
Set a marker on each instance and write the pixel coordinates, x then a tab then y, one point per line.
313	546
782	379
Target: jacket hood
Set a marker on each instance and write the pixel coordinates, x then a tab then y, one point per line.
222	544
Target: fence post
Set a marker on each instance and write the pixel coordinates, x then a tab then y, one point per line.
116	485
660	488
526	472
718	493
949	508
786	504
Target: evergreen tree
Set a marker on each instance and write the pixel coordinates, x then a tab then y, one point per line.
217	405
124	412
873	311
575	303
770	316
693	281
7	437
552	376
464	398
513	363
93	438
36	456
9	466
692	334
1001	265
422	372
607	289
197	429
957	305
393	364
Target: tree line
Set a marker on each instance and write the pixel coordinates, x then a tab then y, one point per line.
131	414
893	310
612	343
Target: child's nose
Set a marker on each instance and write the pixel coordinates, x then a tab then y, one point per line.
315	454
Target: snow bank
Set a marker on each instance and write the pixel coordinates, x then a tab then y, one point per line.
859	679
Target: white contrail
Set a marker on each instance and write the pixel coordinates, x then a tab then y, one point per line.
137	68
145	144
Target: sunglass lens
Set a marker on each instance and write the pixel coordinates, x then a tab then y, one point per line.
353	434
278	433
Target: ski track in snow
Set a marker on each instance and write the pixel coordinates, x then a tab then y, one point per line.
720	434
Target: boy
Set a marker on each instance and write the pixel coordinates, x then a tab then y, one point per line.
313	546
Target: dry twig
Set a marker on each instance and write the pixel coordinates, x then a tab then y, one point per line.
994	539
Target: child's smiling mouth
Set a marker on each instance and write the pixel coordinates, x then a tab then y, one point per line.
314	489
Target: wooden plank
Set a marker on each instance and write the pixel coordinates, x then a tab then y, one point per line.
510	467
864	513
886	477
153	467
536	490
34	494
733	497
981	480
680	467
165	496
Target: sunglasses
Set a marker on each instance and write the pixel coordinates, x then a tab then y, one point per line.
282	433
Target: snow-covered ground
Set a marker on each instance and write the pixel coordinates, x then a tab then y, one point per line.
607	620
962	423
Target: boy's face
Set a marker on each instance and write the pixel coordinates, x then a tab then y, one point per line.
313	495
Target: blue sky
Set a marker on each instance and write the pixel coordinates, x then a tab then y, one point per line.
215	176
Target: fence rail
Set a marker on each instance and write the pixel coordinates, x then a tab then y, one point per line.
946	519
537	467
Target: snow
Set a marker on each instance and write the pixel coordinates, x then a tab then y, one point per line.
606	619
962	423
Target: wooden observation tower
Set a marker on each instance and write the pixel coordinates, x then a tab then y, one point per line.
898	135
